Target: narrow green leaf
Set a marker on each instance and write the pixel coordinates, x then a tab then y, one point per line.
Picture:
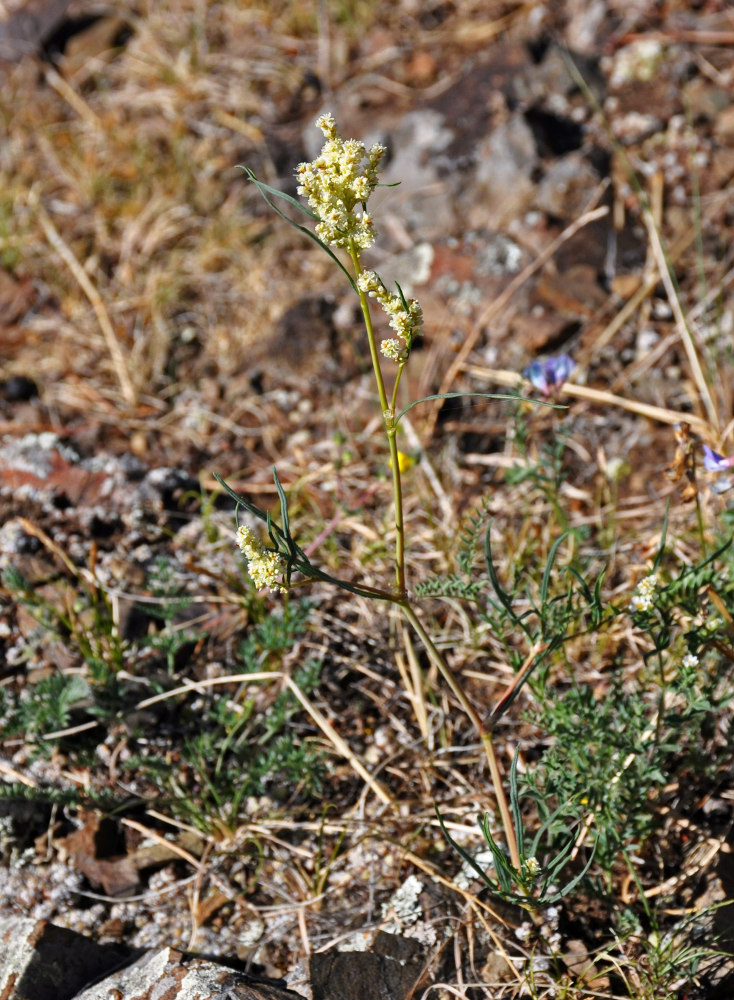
264	188
545	584
464	855
515	806
588	597
505	871
480	395
242	502
503	596
283	503
277	193
663	535
402	297
597	605
570	886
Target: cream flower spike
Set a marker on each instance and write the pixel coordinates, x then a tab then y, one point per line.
337	185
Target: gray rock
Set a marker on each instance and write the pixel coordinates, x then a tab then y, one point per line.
504	185
392	970
40	961
168	973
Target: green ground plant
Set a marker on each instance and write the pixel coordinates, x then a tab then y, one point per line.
233	748
235	752
605	763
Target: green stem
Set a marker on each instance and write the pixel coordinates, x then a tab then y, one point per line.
661	703
394	403
374	354
388	416
486	737
397	488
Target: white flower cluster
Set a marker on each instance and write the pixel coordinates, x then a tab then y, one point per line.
644	596
263	565
406	323
337	185
531	868
690	660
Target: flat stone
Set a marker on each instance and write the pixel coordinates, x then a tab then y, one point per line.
504	184
169	975
40	961
391	971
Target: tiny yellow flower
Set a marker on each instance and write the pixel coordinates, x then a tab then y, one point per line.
391	348
405	319
643	598
404	461
533	867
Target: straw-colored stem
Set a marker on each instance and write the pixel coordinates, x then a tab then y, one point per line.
485	736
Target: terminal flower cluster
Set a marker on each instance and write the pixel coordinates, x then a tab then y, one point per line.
337	185
406	323
644	596
263	565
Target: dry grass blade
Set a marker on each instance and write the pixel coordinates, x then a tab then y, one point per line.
413	683
32	529
659	413
169	844
597	341
72	98
683	329
116	355
339	744
14	775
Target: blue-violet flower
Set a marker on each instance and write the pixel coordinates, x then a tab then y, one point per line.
714	462
549	375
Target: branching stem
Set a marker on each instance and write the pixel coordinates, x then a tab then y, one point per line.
388	414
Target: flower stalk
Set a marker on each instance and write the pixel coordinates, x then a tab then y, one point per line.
388	416
337	185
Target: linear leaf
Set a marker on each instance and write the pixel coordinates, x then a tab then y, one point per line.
265	189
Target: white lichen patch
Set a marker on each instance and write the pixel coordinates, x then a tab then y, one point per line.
403	908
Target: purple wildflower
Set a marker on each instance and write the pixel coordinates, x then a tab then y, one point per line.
549	375
715	462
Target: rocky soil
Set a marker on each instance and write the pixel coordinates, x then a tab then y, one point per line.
158	324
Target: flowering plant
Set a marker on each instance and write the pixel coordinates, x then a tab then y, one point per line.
337	185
